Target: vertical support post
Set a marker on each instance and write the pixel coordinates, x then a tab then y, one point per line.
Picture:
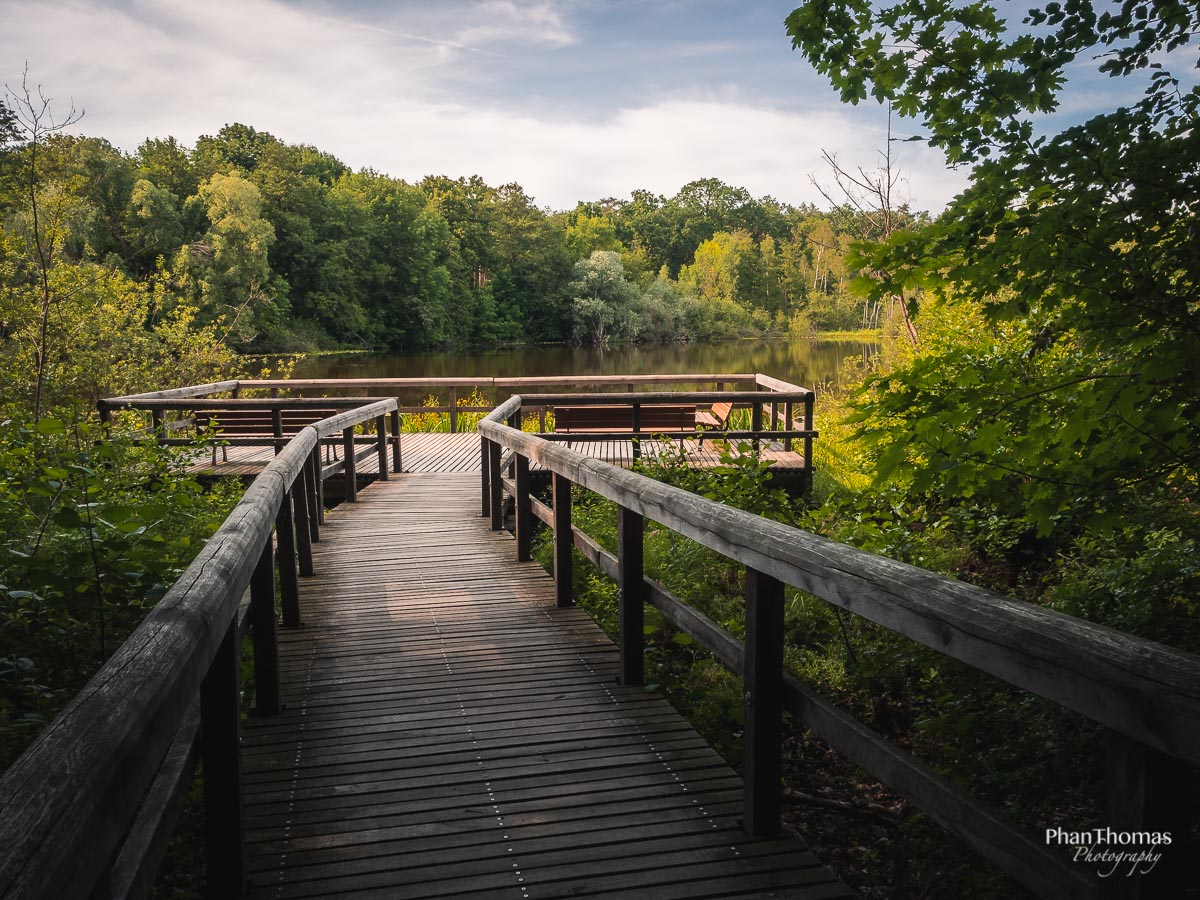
381	444
787	424
312	478
277	429
319	477
494	486
514	422
397	458
453	410
564	540
220	729
542	419
263	633
285	541
763	684
756	411
237	391
484	471
348	470
637	427
524	510
1146	790
106	416
808	426
631	614
159	426
303	530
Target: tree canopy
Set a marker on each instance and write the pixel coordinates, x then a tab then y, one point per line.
1077	248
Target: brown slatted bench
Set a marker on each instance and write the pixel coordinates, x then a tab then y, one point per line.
619	419
259	424
716	417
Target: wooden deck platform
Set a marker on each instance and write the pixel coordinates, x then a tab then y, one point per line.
450	733
444	452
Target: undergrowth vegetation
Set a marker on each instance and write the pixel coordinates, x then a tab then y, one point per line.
1028	758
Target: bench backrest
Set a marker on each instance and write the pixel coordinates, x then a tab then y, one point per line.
259	422
676	417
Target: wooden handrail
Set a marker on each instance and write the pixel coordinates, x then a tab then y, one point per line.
1146	693
68	800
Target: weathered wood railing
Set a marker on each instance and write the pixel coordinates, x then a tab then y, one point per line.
351	442
498	387
778	407
1146	695
87	810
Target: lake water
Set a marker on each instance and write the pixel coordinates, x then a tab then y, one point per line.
809	362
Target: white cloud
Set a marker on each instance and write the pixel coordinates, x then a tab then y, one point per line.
399	98
504	21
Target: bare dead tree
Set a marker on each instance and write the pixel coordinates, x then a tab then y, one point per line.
870	194
35	122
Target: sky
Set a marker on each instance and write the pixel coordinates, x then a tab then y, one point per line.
573	99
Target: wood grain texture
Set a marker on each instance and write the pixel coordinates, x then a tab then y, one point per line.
450	732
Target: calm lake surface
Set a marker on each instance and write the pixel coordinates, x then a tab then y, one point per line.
809	362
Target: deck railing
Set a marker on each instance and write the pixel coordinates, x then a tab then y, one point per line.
1146	695
88	809
453	388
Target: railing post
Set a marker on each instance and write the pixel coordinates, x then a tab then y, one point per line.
277	429
763	684
397	457
285	541
312	476
381	443
808	426
319	478
263	633
631	614
787	424
756	411
453	410
1146	790
220	729
300	510
514	422
564	540
483	475
524	510
348	468
158	425
637	427
495	488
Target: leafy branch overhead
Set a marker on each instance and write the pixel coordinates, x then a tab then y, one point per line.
1084	240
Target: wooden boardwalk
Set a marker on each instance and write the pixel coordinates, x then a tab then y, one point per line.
444	452
450	733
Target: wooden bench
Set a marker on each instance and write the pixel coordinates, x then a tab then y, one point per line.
619	419
259	424
715	417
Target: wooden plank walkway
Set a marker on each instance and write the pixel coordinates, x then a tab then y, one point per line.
445	452
450	733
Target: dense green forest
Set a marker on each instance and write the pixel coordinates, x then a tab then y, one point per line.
282	247
1032	426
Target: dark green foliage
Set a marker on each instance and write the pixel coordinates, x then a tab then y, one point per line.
282	247
95	533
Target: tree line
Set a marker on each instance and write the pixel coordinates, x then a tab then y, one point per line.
281	247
